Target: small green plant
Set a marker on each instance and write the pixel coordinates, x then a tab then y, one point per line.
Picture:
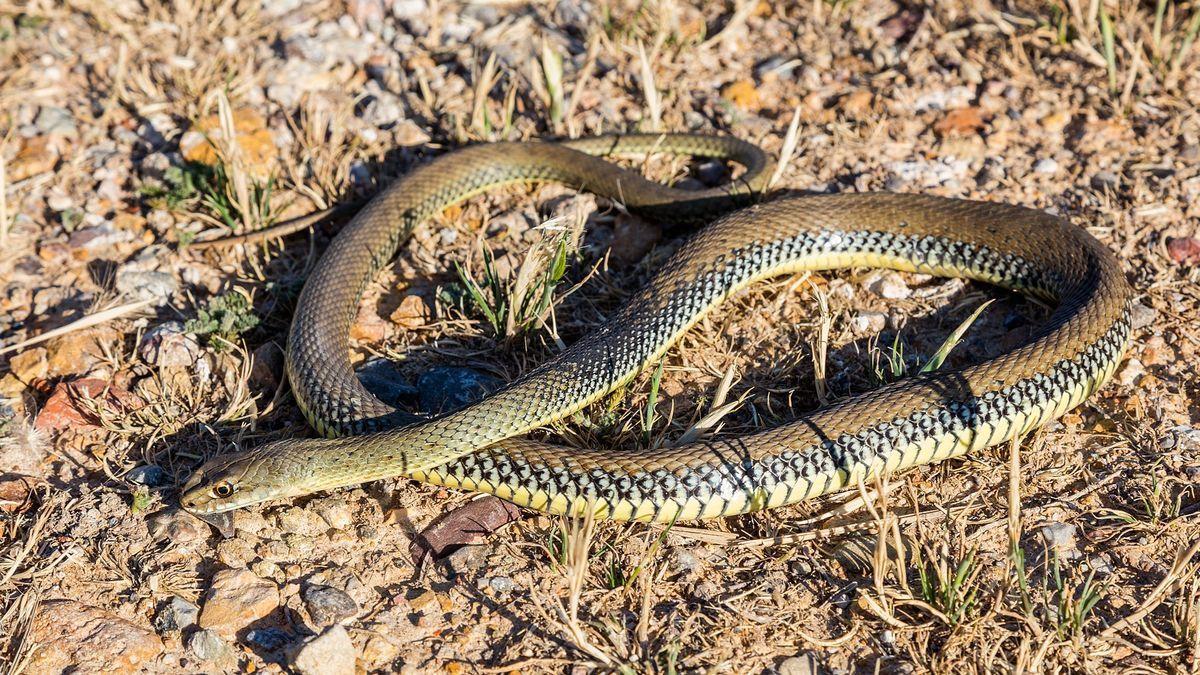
141	500
953	593
210	188
651	401
1074	603
222	319
512	305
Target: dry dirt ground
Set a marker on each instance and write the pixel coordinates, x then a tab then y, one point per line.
131	130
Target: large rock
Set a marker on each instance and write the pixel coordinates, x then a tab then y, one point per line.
330	653
73	637
236	599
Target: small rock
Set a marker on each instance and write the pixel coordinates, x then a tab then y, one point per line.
334	512
177	615
30	365
77	353
237	598
467	560
167	344
801	664
1060	538
890	286
868	323
327	605
1105	180
1184	250
177	526
266	366
55	120
137	285
633	238
712	173
208	646
502	585
69	636
330	653
961	121
301	521
1131	372
271	639
448	388
15	492
1046	166
409	9
857	104
742	94
1142	316
686	562
412	312
382	379
254	142
148	475
409	134
38	155
70	406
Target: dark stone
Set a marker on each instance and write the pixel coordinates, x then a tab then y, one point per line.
177	615
148	475
327	605
269	639
381	378
446	389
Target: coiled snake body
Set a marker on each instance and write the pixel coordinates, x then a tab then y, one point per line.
917	420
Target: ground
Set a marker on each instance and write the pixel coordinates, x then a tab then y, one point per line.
131	131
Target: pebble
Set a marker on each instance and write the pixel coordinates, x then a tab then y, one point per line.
327	605
334	512
139	285
301	521
409	9
168	345
633	238
801	664
178	527
1105	180
502	585
55	120
712	173
686	562
1060	538
74	637
1046	166
177	615
467	560
868	323
1142	316
448	388
30	364
890	286
330	653
235	599
149	475
208	646
271	639
412	312
1131	372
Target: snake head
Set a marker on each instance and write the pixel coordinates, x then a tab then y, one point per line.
232	482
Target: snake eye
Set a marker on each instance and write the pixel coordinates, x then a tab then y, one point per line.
223	489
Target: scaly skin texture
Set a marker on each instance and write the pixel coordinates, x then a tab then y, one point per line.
916	421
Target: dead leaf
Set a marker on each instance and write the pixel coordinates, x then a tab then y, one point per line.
462	527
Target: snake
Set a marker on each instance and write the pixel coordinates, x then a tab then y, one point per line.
750	236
